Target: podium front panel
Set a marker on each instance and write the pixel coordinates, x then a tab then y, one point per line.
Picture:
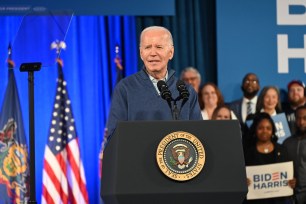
131	173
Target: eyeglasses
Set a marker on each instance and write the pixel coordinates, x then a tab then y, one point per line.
255	81
190	79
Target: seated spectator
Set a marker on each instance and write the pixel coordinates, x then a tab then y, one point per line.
265	150
191	75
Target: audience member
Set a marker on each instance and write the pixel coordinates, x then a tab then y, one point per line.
209	98
269	101
246	105
222	112
191	75
296	146
266	150
296	98
137	97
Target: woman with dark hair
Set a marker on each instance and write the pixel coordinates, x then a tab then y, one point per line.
222	112
269	101
265	150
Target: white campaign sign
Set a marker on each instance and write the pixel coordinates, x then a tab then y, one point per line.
269	181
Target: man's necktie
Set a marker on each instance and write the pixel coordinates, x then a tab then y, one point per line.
249	108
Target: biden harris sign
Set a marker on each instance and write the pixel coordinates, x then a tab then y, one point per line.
269	181
267	38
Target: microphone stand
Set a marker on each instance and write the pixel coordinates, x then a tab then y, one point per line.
175	111
31	68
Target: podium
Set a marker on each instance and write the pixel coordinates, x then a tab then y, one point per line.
131	175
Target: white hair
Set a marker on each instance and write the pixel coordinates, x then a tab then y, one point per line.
191	69
157	28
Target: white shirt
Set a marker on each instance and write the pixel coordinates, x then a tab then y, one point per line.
273	114
245	105
205	115
154	81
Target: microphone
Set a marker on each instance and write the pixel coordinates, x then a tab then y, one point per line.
164	92
184	93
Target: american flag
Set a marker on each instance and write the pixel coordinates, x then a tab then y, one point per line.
63	173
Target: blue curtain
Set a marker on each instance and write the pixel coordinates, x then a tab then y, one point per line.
194	33
90	73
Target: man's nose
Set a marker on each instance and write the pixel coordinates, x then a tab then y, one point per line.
153	51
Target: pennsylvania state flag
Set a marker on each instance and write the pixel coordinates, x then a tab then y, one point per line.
14	169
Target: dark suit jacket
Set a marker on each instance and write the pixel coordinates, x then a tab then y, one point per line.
236	108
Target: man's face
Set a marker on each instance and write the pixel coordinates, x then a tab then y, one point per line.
296	95
250	86
155	51
301	121
190	77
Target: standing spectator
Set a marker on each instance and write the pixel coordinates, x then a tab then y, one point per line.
266	150
296	98
246	105
296	146
209	98
269	101
191	75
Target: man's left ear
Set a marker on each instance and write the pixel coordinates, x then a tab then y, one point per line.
171	53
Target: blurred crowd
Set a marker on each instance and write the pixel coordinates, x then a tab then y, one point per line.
259	140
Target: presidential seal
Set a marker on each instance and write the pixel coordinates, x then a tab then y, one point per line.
180	156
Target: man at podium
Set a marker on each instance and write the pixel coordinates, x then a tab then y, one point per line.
138	97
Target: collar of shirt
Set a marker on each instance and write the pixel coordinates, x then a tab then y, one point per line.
273	114
154	81
253	100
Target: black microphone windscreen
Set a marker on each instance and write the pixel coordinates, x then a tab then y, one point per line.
180	83
161	84
181	87
164	91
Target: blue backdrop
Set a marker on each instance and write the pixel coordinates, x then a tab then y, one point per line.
247	41
90	74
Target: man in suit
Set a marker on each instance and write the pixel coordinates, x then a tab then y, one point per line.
246	105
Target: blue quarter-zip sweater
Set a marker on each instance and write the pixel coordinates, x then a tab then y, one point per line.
135	98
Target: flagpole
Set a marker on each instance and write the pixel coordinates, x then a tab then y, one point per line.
30	68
